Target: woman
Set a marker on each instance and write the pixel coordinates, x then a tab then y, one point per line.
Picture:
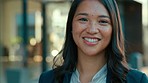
93	51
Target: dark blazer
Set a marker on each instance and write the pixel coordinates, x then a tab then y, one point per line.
133	76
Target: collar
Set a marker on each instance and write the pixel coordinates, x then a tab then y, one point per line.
100	76
67	76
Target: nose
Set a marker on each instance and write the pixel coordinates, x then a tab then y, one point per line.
92	28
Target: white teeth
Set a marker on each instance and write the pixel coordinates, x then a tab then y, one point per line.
91	40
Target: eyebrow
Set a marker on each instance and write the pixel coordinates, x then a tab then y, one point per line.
82	14
101	16
104	16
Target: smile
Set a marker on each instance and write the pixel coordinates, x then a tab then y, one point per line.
91	40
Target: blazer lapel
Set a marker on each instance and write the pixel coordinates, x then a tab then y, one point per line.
67	77
108	76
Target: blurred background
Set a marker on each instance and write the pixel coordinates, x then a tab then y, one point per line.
32	33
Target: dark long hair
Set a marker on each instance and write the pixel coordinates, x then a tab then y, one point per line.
115	52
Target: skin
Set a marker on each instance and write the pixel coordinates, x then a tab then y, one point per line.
91	30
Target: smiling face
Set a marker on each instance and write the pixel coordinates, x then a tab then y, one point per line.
91	28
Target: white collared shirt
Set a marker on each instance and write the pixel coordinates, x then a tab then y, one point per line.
99	77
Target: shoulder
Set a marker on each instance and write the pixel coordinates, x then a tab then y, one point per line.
47	77
136	76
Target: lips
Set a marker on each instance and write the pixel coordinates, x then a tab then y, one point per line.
91	40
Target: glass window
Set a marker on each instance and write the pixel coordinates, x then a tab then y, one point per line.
12	57
56	24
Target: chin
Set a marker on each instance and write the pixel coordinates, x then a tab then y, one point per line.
90	54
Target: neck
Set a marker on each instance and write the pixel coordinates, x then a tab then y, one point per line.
88	66
90	63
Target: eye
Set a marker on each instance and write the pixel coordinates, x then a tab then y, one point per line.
104	22
83	19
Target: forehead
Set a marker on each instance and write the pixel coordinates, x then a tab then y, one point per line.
94	7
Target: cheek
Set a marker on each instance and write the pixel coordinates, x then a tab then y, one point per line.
107	33
76	29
